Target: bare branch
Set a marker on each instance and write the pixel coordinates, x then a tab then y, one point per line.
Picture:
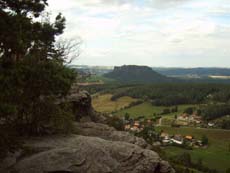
68	49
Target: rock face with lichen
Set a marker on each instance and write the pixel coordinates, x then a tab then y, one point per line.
92	148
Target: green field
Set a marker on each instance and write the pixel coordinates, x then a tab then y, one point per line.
216	156
103	103
148	110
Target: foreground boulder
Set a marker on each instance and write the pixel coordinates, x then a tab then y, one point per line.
76	154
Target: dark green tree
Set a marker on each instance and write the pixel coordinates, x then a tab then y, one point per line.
175	117
149	134
188	110
32	73
204	140
21	35
174	109
127	116
116	122
165	111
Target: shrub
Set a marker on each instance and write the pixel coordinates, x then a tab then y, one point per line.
116	122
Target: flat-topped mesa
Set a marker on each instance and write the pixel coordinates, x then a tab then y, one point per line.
136	74
132	67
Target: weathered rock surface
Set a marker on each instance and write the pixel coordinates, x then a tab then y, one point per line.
94	148
97	148
108	133
76	154
81	104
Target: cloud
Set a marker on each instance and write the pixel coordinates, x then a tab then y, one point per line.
150	32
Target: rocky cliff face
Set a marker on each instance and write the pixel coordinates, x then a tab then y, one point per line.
92	148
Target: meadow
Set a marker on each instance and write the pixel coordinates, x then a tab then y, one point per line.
219	146
148	110
103	103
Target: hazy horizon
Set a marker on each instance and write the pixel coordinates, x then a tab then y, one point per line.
183	67
172	33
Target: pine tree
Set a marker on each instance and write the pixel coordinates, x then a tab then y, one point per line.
32	73
21	35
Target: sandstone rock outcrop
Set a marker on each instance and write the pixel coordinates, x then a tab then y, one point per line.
108	133
92	148
81	104
76	154
97	148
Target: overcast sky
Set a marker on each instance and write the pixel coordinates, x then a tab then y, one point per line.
171	33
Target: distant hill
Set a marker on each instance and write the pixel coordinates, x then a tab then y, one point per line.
136	74
193	72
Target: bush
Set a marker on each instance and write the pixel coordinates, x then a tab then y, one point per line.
116	122
204	140
188	110
165	111
148	134
225	124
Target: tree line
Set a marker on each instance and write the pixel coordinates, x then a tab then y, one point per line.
174	94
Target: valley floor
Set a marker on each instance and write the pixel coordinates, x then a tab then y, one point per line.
215	156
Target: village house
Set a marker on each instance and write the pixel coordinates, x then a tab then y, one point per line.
136	124
134	127
149	122
210	124
190	138
165	138
164	135
198	144
177	139
127	127
185	119
197	119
